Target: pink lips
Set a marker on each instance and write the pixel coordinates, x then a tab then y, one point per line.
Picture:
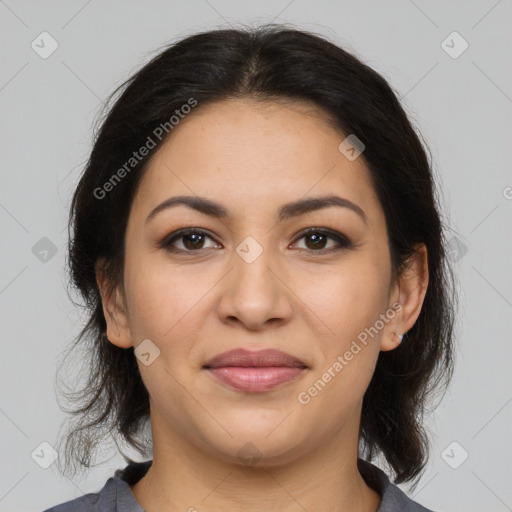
255	371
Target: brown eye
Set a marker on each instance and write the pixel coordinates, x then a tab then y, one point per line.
190	240
317	239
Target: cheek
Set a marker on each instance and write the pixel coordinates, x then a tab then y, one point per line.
346	299
347	303
165	306
153	308
166	303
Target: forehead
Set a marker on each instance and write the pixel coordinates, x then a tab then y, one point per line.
254	154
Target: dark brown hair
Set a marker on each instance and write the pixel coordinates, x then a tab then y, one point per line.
272	62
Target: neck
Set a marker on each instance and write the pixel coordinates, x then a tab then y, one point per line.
184	477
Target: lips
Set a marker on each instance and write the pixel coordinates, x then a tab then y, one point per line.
254	372
263	358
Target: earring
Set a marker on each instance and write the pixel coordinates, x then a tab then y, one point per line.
401	336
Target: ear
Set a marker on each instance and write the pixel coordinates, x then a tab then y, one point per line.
114	309
407	295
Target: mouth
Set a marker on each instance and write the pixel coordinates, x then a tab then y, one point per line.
254	372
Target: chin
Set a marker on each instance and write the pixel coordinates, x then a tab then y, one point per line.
259	450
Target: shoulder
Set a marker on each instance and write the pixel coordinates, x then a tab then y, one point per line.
102	501
115	496
392	497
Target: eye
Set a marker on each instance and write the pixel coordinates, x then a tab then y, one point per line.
191	239
316	239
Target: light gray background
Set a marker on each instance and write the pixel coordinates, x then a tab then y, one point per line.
462	106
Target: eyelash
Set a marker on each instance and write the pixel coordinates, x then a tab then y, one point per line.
343	241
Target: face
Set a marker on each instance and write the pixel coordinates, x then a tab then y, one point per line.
254	279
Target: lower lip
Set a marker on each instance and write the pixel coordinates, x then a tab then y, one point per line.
254	379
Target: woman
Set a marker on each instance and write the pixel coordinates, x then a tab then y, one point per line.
257	239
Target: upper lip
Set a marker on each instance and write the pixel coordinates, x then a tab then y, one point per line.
248	358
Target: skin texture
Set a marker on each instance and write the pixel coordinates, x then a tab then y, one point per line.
252	157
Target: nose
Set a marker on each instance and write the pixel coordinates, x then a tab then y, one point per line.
255	293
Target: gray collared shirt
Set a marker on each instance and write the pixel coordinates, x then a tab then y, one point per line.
116	495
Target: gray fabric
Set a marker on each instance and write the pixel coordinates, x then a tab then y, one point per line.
116	496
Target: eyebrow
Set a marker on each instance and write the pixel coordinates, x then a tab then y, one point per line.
287	211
